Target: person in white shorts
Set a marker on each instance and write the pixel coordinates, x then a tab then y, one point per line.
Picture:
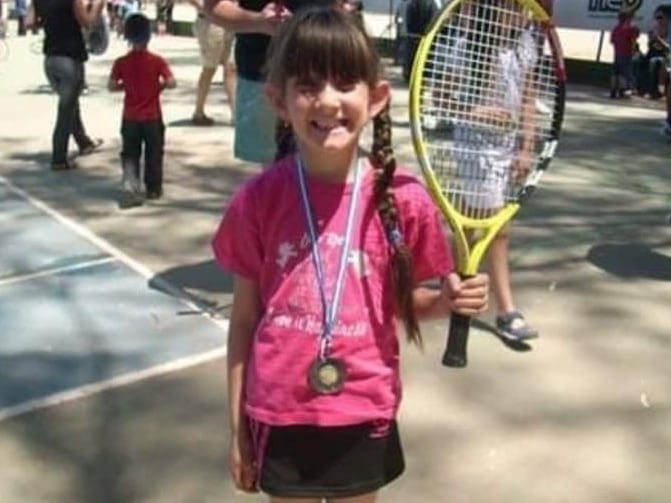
216	47
486	158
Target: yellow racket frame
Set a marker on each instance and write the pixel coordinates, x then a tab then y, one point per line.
468	260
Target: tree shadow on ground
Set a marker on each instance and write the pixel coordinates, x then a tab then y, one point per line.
519	346
188	123
150	441
576	400
39	157
196	283
631	261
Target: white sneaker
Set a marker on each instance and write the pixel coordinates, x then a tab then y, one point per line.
131	188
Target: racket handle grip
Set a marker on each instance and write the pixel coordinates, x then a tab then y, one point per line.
457	340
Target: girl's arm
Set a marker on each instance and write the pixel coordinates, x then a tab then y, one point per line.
245	316
468	297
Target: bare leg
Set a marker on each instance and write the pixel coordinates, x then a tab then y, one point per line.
509	322
230	84
499	271
203	89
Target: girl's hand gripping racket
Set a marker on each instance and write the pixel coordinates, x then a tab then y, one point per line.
486	107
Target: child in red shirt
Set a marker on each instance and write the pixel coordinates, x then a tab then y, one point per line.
142	76
623	37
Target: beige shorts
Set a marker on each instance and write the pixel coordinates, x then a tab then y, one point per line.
216	44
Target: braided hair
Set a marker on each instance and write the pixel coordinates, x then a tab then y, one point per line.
321	43
284	139
384	163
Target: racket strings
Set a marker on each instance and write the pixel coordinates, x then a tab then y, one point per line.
489	91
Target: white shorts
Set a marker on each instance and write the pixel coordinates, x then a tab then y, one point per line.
484	161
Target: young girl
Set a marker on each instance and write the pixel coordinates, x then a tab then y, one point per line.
328	246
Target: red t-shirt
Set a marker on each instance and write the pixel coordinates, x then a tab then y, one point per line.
140	72
623	37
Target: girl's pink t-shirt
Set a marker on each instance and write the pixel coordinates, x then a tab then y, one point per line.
263	237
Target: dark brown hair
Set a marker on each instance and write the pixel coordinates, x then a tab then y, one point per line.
325	43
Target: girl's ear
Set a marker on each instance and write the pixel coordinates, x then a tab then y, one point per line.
276	99
379	97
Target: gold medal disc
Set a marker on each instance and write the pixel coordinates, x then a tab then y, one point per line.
327	377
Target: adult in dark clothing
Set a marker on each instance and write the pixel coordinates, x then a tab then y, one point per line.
20	11
658	52
418	17
65	54
164	19
254	22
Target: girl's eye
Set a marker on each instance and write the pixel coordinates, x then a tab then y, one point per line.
346	86
307	87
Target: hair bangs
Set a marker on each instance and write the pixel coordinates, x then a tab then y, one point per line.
325	45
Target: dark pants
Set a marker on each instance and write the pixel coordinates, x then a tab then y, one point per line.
409	51
655	67
148	134
164	10
623	67
21	25
66	77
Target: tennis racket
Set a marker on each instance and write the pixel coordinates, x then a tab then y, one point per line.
487	94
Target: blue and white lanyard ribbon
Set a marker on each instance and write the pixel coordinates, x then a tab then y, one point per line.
330	309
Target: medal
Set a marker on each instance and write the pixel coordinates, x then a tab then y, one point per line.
327	377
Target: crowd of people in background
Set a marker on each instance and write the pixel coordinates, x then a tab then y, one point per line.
69	26
219	27
639	71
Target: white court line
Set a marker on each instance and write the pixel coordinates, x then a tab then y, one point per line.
20	278
109	248
91	389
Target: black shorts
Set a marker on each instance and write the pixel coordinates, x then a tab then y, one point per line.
329	462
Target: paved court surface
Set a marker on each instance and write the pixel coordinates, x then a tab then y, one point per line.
582	415
76	318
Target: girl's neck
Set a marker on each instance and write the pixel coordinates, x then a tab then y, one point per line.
333	168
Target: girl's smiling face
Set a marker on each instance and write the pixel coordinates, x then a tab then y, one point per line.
328	115
325	80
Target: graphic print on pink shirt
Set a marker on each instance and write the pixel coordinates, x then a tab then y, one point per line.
263	238
296	264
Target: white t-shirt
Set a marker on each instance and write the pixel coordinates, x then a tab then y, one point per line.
484	157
